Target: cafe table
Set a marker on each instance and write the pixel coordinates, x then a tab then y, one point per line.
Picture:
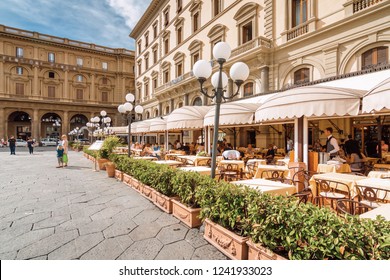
204	170
169	162
267	186
146	158
195	159
383	210
382	166
261	168
257	160
348	179
376	183
172	156
339	168
379	174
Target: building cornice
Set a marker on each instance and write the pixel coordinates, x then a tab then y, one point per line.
20	34
149	14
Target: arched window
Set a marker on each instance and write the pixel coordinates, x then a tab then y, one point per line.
197	102
147	115
301	76
375	56
248	89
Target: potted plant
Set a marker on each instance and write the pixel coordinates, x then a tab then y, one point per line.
224	208
110	168
109	144
186	207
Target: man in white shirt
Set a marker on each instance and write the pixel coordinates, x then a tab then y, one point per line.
332	147
231	154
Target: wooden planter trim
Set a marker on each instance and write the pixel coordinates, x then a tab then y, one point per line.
258	252
189	216
229	243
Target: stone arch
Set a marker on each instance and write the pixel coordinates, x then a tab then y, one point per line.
219	28
197	101
246	9
50	125
12	69
313	65
19	124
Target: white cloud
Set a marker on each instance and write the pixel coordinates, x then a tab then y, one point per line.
130	10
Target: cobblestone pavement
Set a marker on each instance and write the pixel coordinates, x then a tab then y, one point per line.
76	213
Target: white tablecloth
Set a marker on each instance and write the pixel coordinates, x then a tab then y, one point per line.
383	210
200	169
268	186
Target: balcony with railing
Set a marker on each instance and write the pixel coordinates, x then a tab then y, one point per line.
248	46
359	5
179	80
297	31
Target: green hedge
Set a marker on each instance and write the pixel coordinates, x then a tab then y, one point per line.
296	231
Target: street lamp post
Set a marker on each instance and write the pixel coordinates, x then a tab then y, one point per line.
127	108
239	72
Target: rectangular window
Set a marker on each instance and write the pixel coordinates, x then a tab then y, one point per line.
179	69
105	96
79	78
104	81
166	76
19	89
154	83
166	18
179	5
139	68
299	12
146	90
79	94
79	61
19	52
247	32
216	7
196	21
104	65
146	40
166	45
155	30
155	56
301	76
195	58
51	57
51	91
51	75
373	57
146	63
19	70
179	35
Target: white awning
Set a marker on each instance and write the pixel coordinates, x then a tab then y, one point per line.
158	124
118	130
363	82
310	101
142	126
378	98
236	112
187	117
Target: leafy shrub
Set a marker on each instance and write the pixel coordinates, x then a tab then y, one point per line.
109	144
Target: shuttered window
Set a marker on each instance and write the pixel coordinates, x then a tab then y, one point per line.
79	94
301	76
375	56
105	96
19	89
51	91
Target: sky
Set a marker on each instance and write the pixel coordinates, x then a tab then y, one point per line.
102	22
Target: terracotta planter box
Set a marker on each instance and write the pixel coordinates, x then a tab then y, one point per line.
147	191
189	216
101	162
136	185
119	175
127	179
258	252
163	202
229	243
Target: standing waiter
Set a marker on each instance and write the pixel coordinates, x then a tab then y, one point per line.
332	147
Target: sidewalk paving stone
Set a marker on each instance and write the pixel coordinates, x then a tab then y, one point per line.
75	213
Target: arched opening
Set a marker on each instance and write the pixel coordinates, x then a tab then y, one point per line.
19	125
50	126
79	121
197	102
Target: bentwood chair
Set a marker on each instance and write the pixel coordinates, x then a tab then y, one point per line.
330	191
273	175
373	196
351	207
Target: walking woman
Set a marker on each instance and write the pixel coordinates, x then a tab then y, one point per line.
30	145
65	147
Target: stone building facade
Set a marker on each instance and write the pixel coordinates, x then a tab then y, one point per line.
284	43
50	85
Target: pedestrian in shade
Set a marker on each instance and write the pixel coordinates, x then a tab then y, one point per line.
30	145
12	144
